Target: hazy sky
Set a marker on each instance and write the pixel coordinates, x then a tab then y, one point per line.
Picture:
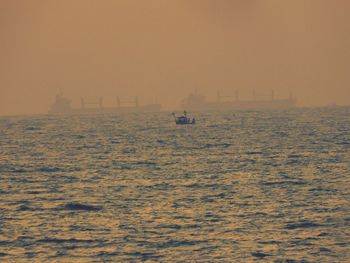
168	48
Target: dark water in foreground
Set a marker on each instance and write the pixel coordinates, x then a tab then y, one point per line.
235	187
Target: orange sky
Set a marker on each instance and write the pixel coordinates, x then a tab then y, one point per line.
165	49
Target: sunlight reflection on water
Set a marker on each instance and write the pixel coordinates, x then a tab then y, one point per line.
138	187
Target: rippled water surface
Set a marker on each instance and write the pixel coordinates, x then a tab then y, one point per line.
235	187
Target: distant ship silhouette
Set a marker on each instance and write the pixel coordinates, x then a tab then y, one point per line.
197	102
62	105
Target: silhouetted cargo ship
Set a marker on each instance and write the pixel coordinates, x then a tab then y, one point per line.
62	105
197	102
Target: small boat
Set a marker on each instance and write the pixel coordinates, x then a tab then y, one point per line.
184	119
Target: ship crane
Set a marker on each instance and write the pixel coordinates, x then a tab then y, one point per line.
270	95
129	101
99	103
236	96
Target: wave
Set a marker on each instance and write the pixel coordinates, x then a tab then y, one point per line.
305	224
79	207
49	169
25	208
260	255
69	240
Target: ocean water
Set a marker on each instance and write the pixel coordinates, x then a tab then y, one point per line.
268	186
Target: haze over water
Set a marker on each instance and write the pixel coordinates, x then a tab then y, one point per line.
235	187
163	50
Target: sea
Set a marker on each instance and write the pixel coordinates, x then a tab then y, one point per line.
239	186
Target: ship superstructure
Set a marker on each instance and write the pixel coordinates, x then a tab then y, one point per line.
198	102
62	105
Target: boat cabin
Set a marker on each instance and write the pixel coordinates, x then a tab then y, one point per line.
184	119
